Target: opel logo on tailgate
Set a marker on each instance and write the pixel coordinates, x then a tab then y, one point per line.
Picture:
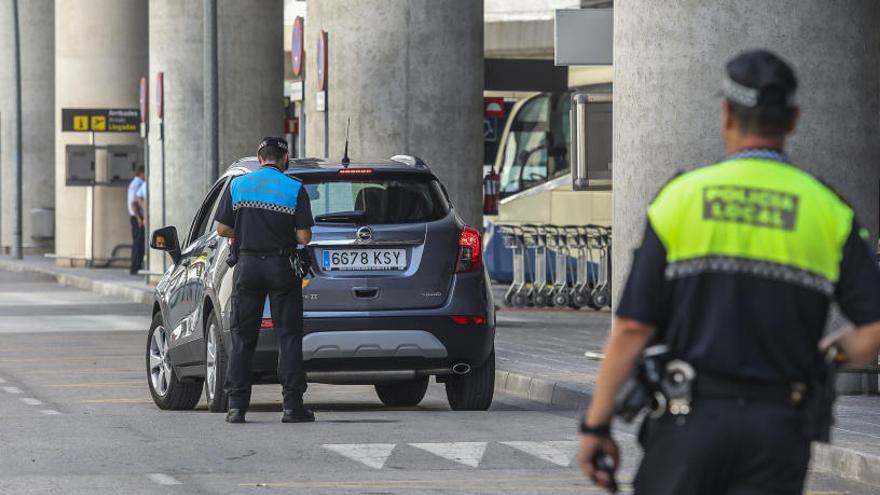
365	234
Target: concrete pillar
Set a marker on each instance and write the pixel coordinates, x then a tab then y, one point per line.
100	56
668	64
250	54
251	67
409	74
37	28
176	49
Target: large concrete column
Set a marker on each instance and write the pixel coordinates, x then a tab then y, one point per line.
409	74
250	54
668	63
176	50
251	67
37	28
100	56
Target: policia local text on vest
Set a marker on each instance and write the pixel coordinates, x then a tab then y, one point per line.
734	278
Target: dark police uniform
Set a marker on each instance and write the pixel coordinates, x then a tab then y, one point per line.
265	208
739	264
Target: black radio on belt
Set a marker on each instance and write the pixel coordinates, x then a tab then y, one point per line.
232	256
301	262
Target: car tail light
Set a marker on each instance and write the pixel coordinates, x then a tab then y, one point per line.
470	251
266	323
356	172
469	319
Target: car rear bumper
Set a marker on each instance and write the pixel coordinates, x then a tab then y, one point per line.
365	350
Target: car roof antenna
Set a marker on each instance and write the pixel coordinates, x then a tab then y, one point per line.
346	161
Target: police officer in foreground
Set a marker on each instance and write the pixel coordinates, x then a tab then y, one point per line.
266	214
738	266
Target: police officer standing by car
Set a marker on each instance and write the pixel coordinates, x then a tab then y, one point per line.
266	214
735	275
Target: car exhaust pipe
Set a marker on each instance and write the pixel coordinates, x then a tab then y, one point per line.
461	368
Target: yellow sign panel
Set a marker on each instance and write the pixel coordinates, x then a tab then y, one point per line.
80	122
99	123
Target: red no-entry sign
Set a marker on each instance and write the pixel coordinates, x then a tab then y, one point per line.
322	60
160	94
296	46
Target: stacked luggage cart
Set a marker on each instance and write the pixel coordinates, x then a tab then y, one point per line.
578	276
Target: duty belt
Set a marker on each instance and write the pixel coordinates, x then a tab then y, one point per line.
266	252
715	387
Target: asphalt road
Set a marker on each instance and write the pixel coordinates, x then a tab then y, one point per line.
76	417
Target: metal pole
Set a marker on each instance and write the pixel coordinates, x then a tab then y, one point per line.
212	117
17	206
162	158
147	216
327	98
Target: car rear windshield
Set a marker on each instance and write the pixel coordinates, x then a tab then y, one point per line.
376	200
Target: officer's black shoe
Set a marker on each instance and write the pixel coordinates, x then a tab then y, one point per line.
301	415
235	416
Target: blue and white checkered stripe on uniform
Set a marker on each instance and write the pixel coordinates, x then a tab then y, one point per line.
265	189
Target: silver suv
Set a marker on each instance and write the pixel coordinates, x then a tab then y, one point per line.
399	293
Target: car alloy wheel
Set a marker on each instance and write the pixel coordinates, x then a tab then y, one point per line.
160	363
211	361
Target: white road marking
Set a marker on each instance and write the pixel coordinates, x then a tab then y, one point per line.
467	453
49	412
557	452
80	323
31	401
163	479
372	455
12	390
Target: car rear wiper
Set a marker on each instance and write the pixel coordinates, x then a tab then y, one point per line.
342	217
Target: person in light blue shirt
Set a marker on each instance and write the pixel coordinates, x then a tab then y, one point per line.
136	219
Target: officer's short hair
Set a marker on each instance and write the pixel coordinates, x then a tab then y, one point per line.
760	86
764	121
272	148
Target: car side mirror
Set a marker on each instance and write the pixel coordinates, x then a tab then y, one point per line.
165	239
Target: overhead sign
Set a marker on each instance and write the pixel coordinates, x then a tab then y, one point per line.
296	46
493	107
100	119
584	36
322	60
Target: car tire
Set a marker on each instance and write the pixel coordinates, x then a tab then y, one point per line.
402	394
216	361
473	391
168	392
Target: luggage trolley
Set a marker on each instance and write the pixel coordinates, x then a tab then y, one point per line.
578	237
557	241
514	240
601	293
542	290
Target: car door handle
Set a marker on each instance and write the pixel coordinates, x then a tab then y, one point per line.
365	292
212	244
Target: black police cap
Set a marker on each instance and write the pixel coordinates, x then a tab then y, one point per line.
759	78
274	142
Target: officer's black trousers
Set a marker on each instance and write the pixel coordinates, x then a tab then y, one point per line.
254	278
725	447
137	245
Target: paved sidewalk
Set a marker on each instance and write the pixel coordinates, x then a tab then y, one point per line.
107	281
540	356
